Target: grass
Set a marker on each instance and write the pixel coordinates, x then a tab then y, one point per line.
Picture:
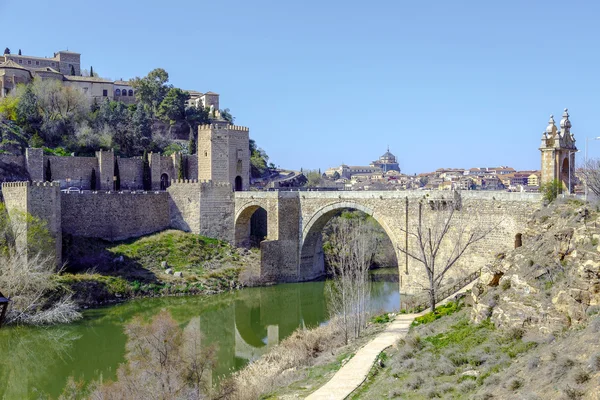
179	249
99	270
430	361
441	311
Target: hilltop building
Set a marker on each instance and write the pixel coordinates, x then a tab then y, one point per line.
387	162
65	66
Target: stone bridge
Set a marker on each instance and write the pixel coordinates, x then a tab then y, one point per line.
292	249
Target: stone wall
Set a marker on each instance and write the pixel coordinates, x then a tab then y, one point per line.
72	171
184	205
131	172
217	210
114	216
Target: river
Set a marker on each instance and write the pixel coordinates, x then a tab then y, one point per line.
244	324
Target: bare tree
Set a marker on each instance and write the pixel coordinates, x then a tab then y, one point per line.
350	251
442	238
590	175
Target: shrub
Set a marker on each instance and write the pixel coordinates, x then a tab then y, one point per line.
580	376
381	319
551	190
515	384
506	284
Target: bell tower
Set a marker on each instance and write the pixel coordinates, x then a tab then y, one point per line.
558	152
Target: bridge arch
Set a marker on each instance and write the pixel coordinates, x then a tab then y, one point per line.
312	261
251	225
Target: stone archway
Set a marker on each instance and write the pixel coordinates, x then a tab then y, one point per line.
312	259
164	182
251	226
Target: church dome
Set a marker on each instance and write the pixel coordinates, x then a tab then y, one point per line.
387	157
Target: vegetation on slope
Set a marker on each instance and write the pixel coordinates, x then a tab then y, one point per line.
101	271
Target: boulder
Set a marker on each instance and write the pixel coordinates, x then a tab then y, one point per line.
178	274
169	271
164	265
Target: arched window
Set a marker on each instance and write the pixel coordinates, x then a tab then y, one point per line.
124	92
238	183
118	92
130	92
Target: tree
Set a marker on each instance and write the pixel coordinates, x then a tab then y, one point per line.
192	143
590	175
151	89
180	168
6	50
28	115
172	108
551	190
48	171
72	70
117	176
92	71
93	180
336	176
141	127
349	255
441	238
20	52
226	115
146	175
195	116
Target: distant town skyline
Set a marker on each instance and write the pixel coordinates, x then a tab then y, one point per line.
443	84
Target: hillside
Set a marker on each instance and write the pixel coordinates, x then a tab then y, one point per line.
528	330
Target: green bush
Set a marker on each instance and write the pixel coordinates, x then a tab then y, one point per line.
551	190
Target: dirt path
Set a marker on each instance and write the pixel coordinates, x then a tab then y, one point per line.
355	371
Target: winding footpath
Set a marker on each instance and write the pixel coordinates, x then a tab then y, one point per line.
355	371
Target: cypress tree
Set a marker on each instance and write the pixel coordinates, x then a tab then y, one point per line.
117	176
48	171
92	71
192	143
7	51
180	172
146	177
20	52
93	179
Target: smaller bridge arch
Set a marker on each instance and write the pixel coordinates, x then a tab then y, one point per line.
251	224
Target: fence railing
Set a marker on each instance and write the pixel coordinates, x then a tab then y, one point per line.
421	302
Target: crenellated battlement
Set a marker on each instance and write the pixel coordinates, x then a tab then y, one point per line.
223	127
27	184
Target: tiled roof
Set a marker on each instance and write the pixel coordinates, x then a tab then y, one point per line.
12	64
86	79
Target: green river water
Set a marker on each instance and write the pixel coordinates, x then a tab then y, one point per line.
244	324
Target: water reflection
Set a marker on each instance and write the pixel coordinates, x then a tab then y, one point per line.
244	325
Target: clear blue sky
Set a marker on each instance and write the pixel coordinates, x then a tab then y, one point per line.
444	83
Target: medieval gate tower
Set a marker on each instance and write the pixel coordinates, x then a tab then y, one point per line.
224	155
558	153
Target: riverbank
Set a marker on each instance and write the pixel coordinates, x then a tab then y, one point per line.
168	263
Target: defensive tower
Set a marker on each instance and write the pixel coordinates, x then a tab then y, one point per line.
224	155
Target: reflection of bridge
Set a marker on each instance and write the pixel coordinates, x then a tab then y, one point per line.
292	250
246	325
